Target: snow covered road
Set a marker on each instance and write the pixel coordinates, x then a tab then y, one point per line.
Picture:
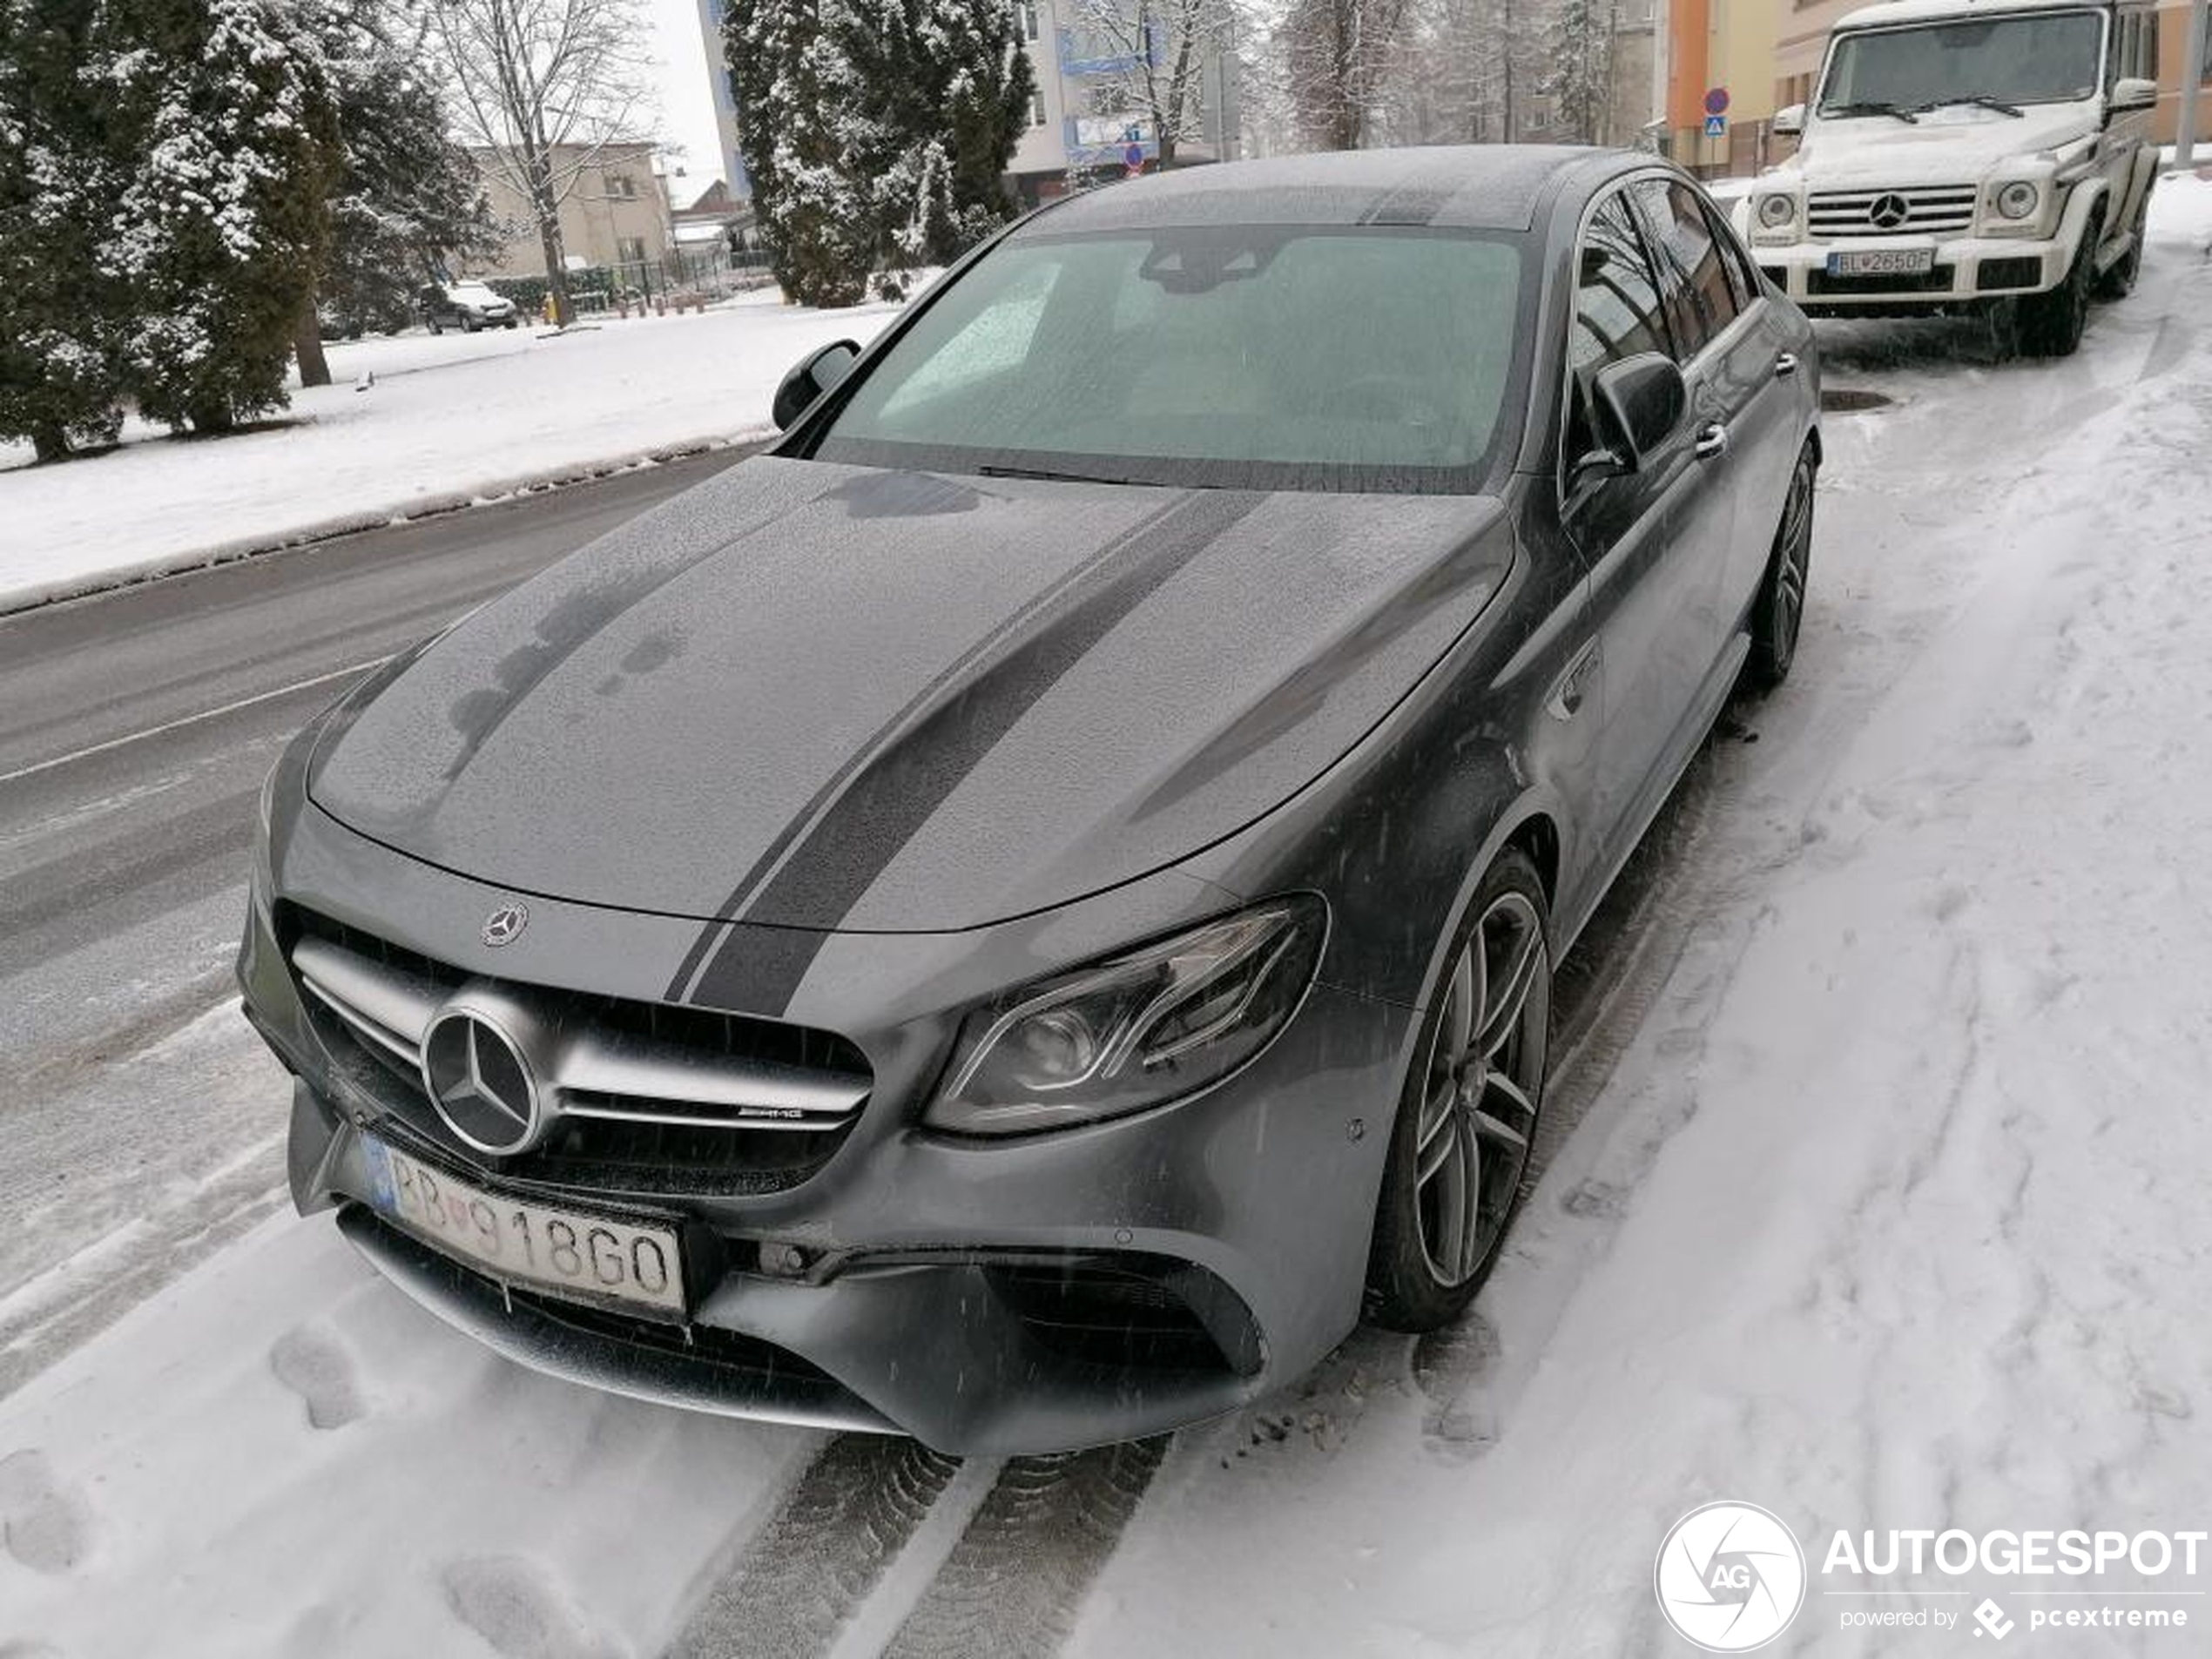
1872	1196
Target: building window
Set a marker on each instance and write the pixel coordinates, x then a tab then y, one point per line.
629	250
1030	26
621	186
1036	108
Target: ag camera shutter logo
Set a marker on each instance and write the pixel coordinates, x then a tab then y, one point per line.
1730	1577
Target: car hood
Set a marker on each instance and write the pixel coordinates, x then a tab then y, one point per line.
827	697
1955	144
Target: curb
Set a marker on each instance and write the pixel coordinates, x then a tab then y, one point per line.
491	494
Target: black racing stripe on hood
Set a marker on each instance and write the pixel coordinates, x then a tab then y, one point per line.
900	785
1052	599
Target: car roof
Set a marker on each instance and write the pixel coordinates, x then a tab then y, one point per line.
1897	12
1489	186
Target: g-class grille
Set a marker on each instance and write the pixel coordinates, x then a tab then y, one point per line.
1926	210
642	1097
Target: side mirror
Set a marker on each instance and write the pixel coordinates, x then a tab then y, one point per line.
814	376
1640	403
2133	92
1789	121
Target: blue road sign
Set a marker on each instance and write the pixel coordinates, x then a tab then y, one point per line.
1716	126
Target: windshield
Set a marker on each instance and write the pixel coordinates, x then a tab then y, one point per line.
476	293
2030	58
1302	358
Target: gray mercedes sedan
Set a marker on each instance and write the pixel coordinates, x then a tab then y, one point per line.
1022	913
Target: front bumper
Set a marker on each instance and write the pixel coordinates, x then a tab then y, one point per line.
1965	269
952	1289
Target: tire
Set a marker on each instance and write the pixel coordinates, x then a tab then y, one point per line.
1469	1114
469	324
2119	282
2051	323
1779	612
435	326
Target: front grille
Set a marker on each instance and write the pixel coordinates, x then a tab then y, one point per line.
1933	281
1933	210
2008	273
643	1097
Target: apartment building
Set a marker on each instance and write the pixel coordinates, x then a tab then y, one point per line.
616	211
729	162
1714	83
1078	121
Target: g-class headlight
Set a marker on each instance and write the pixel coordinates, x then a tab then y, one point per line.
1139	1030
1774	212
2020	199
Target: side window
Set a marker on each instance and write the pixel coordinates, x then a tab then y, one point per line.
1705	302
1743	279
1618	310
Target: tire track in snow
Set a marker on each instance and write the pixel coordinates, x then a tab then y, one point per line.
1017	1578
807	1574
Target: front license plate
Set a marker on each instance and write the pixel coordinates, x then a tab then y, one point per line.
1882	261
566	1251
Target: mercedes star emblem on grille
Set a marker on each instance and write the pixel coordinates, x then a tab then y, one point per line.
1889	211
504	924
481	1081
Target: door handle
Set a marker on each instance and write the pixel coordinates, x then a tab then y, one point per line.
1712	442
1785	364
1572	689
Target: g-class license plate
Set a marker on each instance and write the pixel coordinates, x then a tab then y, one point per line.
543	1246
1882	261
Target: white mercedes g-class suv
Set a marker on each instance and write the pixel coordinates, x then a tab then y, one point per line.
1968	154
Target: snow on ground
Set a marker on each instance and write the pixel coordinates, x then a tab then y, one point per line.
450	418
285	1459
1888	1213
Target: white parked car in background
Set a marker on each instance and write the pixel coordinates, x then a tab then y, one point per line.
1968	154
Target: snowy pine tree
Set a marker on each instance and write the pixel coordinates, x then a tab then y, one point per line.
59	384
945	95
406	198
877	132
1578	74
223	109
797	130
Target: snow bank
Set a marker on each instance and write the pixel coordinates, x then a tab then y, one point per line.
450	418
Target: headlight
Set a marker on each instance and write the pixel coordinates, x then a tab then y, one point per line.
1774	212
1138	1030
2020	199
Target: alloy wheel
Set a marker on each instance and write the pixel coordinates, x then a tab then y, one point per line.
1794	550
1483	1078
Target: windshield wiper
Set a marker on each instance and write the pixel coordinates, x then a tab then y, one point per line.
1982	98
1048	476
1872	107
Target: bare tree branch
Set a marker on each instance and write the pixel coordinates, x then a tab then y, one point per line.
541	88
